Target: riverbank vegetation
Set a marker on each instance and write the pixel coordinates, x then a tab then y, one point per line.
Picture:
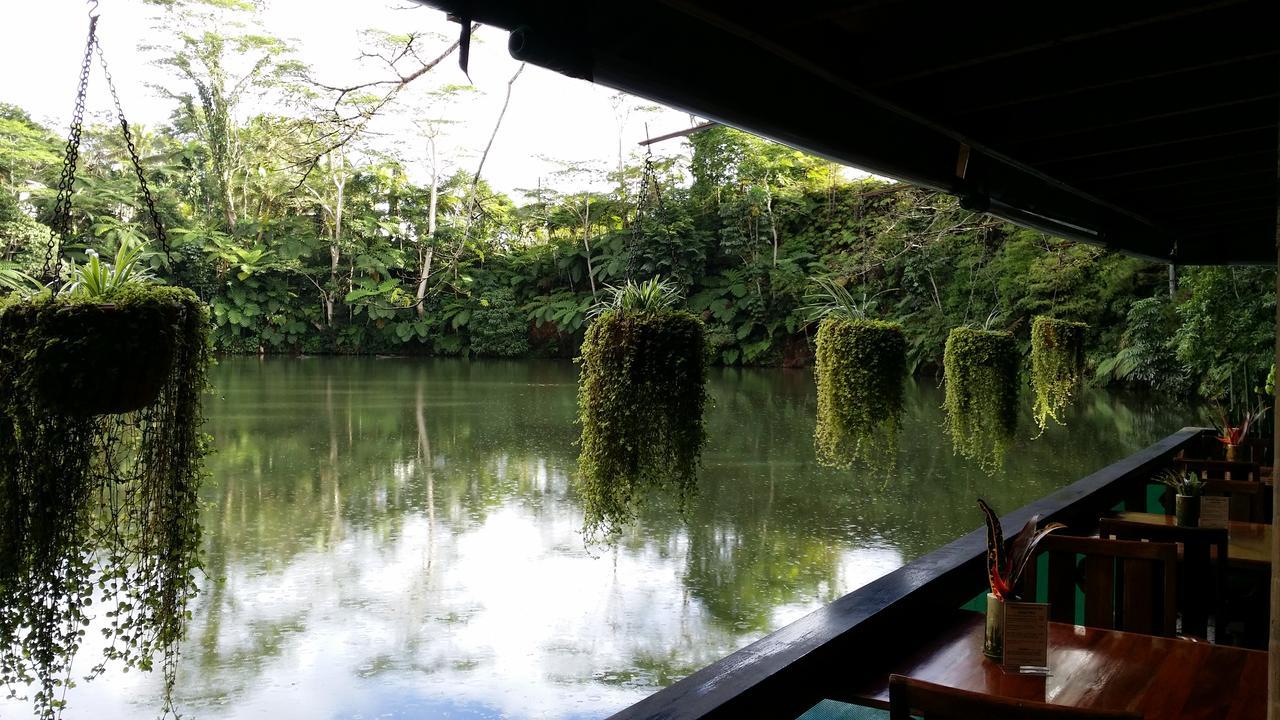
302	245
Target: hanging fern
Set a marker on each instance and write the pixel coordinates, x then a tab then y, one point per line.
860	367
641	396
97	503
981	369
1057	365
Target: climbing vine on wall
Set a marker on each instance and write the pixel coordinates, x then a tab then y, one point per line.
981	373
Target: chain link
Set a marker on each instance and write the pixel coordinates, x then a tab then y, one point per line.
646	205
67	180
62	223
133	157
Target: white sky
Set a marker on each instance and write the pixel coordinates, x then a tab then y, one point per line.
550	116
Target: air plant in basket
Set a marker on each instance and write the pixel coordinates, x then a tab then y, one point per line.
1232	436
1006	561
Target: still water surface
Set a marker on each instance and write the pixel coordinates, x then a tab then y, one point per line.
399	539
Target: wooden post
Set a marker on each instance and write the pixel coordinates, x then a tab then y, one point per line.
1273	645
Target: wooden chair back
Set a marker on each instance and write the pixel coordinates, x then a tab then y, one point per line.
1260	449
1202	580
910	698
1249	500
1220	469
1127	585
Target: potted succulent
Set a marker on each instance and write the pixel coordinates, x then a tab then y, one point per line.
1007	560
1187	489
1232	436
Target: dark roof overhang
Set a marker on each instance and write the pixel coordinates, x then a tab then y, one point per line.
1146	126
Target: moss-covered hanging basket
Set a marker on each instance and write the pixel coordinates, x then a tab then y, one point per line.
641	396
981	370
1057	365
860	369
83	357
98	507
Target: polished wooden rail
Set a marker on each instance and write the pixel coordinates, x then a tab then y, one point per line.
789	670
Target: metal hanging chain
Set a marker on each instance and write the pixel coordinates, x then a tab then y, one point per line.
646	205
67	180
133	157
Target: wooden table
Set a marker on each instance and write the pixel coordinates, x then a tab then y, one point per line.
1248	544
1162	678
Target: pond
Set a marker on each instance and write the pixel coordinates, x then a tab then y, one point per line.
393	538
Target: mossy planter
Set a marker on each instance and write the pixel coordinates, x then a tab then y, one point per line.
99	484
981	371
1057	366
641	395
86	358
859	370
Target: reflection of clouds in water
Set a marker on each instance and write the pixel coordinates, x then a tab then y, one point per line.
857	567
510	616
405	543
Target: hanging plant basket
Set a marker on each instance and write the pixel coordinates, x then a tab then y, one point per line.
860	369
1057	366
981	370
80	357
99	484
641	395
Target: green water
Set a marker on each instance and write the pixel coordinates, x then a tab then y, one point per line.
399	538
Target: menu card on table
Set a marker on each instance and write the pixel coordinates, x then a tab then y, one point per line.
1026	637
1214	511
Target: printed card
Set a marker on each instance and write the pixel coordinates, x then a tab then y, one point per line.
1026	635
1214	511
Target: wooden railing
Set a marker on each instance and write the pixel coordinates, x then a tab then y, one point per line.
791	669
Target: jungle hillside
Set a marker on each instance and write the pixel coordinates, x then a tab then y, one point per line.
305	238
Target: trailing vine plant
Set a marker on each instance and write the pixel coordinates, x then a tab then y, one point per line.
101	377
860	368
1057	366
641	395
981	403
97	508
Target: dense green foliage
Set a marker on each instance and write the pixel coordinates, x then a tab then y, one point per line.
860	369
94	503
306	246
642	391
981	370
1057	365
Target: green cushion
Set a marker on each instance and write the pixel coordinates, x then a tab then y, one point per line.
833	710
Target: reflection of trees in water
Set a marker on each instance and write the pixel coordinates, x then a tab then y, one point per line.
335	454
324	459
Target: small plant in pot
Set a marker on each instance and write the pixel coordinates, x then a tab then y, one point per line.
1187	489
1007	560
